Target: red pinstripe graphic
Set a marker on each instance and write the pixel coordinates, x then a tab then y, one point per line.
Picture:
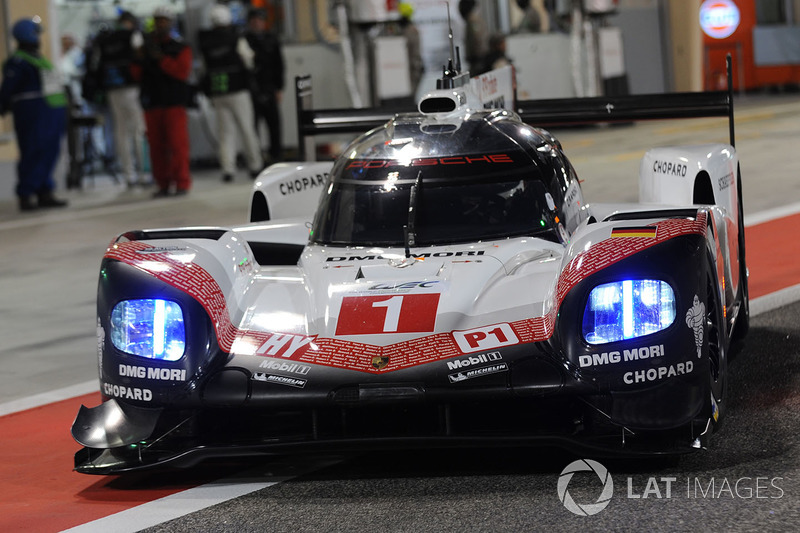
198	283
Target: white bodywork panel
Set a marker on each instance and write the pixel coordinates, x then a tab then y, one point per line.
668	175
291	189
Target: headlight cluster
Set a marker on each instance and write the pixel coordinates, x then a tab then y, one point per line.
149	328
627	309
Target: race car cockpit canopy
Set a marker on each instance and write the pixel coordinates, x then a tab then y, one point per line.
484	176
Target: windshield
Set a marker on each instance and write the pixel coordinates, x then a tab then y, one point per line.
366	213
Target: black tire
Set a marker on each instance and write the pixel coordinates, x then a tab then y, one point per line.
743	319
717	349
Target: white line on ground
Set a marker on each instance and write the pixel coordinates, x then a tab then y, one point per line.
198	498
771	214
774	300
177	505
37	400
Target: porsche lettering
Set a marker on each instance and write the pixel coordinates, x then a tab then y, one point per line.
431	161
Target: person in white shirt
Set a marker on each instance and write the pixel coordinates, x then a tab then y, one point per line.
110	62
227	65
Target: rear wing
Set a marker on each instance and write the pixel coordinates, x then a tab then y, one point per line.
544	113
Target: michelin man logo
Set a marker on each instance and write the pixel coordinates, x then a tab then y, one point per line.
695	319
585	509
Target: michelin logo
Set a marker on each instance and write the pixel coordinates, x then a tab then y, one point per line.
280	380
474	360
477	372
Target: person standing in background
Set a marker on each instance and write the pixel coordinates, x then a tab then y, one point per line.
227	62
165	93
111	63
34	92
476	40
268	79
72	64
413	48
496	58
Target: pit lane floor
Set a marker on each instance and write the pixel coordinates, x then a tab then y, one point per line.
48	269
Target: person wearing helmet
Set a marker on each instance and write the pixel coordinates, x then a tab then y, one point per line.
227	63
33	91
165	94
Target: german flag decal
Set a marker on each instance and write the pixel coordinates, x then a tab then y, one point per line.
642	231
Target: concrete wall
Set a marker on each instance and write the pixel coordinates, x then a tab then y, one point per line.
644	45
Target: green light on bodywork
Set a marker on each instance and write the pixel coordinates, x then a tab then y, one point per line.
243	261
542	223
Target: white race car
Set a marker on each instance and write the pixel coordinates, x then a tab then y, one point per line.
442	283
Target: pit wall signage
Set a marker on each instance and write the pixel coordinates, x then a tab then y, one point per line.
719	18
496	88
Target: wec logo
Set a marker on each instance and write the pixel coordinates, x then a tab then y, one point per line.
585	509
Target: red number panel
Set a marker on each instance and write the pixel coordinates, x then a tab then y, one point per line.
392	313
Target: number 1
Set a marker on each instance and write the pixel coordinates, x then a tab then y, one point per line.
393	306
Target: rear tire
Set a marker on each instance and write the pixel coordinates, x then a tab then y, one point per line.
716	349
743	319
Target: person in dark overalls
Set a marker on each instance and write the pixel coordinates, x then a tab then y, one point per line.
33	91
268	80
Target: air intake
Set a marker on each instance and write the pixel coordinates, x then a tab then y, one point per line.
437	104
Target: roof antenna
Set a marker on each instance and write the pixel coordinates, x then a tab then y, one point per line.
450	36
452	71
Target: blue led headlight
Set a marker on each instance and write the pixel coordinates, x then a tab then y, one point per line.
149	328
627	309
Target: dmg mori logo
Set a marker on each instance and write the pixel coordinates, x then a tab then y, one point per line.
585	509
